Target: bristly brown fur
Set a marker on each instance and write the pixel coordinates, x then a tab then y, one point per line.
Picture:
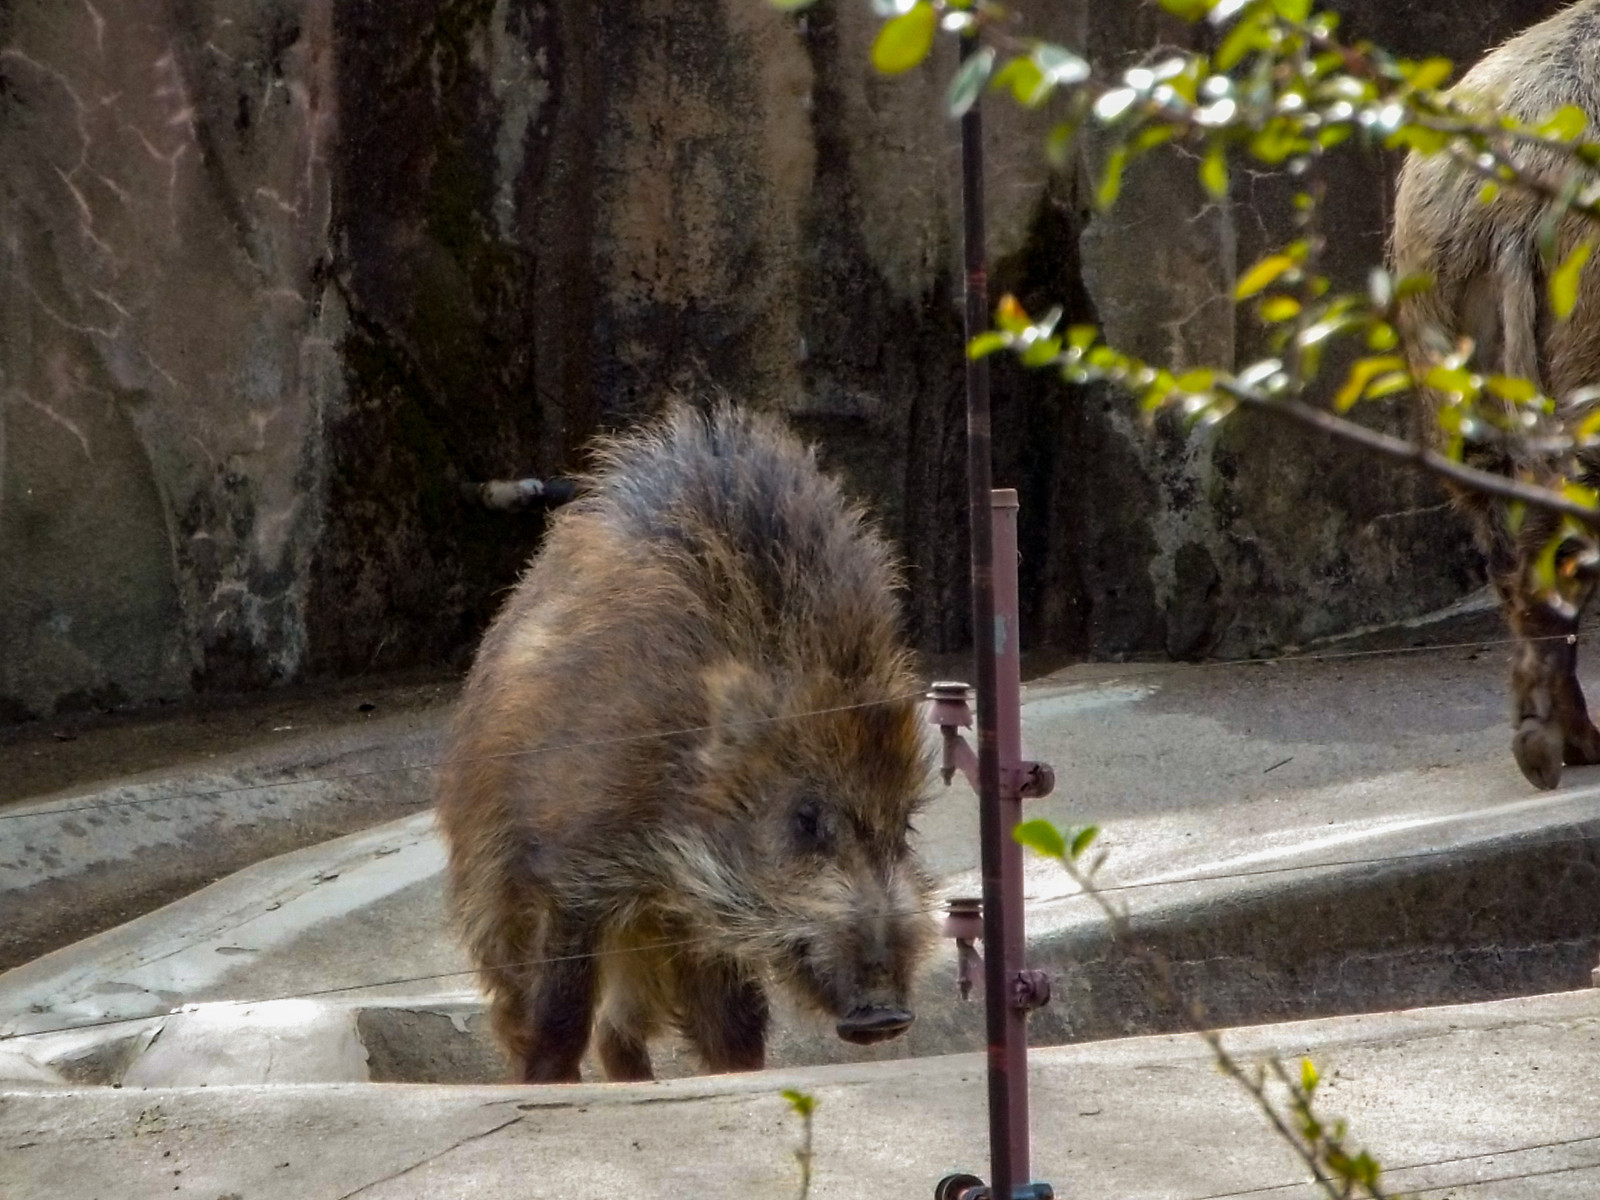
1490	286
710	580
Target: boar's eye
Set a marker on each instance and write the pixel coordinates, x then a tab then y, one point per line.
810	831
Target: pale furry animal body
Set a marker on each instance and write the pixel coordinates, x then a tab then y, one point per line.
1491	286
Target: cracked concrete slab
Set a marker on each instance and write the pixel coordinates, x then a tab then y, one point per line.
1481	1100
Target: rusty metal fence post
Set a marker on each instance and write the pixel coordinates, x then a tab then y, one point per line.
997	770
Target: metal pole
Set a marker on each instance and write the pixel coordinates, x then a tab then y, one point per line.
1008	722
997	1016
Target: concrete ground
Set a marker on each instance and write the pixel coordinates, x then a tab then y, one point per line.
1493	1100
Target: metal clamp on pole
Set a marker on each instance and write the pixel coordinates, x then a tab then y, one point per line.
970	1187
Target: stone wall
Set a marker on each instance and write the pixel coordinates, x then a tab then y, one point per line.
280	275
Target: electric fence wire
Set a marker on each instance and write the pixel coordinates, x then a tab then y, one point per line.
1153	670
686	943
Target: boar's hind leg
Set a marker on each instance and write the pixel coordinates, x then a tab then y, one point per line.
724	1014
1549	712
560	1011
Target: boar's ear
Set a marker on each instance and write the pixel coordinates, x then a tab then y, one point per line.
740	703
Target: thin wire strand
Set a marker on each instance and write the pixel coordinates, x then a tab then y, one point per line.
674	944
337	989
927	910
342	777
1577	835
1154	669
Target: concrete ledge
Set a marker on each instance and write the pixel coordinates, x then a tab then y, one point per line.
1445	1097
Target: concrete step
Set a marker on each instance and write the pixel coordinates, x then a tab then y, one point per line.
1495	1100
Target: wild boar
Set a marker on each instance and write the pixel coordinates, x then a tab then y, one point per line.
1490	285
686	761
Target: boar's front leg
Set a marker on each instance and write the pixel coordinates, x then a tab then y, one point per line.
560	1010
1549	712
1551	716
724	1014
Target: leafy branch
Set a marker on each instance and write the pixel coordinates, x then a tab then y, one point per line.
1283	88
1322	1144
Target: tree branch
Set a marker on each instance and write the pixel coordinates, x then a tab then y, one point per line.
1470	478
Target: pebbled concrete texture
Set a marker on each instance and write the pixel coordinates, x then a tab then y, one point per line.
1484	1100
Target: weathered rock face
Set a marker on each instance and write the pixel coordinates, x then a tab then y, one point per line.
168	357
281	275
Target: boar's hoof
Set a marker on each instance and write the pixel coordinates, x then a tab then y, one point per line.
1538	752
865	1026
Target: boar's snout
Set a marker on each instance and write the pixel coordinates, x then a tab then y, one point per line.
869	1023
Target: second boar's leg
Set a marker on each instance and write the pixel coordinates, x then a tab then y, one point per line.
561	1009
724	1014
1549	712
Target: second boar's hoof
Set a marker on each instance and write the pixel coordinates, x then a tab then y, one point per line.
1537	748
865	1026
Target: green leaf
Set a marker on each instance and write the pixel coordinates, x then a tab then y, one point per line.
1451	379
1195	381
1420	138
905	41
1388	385
1279	308
1542	570
1189	10
1382	337
1488	193
1042	351
1308	1076
1113	105
1152	136
1431	72
1082	840
987	343
1059	65
1042	837
1010	315
1214	171
1579	494
1512	388
1292	10
1081	337
1241	40
1565	278
802	1102
1262	275
1111	181
1566	124
1362	373
969	81
1023	77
